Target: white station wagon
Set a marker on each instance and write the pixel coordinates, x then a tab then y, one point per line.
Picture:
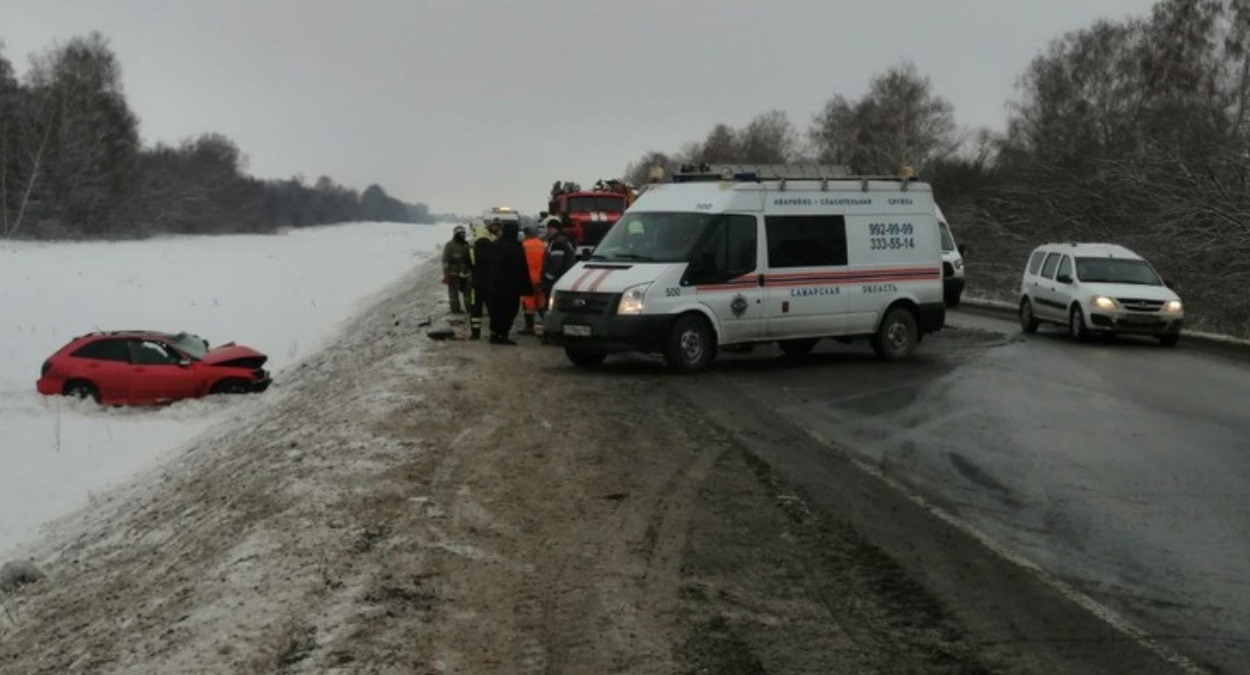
1098	288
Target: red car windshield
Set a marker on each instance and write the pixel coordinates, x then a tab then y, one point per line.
189	344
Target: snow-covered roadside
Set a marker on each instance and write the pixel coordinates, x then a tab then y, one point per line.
214	508
288	295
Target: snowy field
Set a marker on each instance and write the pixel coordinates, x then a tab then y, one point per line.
285	295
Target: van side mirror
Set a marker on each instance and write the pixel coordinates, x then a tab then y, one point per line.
1064	278
1170	283
963	249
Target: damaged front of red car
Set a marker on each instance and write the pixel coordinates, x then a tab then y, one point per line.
235	369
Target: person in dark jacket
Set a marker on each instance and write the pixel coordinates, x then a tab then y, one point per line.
561	255
482	268
509	280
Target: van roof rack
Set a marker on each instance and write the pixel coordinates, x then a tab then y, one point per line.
755	173
688	173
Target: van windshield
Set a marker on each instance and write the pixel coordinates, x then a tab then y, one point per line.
654	237
948	242
1116	271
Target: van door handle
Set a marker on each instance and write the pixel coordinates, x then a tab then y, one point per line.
761	281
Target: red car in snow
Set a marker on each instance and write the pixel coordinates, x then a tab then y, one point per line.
146	367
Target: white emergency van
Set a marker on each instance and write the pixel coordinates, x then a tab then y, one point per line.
735	255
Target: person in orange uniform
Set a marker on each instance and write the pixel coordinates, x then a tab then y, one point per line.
535	250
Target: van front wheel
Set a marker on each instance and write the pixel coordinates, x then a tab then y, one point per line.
896	338
691	345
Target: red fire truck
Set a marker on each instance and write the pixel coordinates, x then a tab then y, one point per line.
589	214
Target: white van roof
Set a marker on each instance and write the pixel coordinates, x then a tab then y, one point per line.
794	197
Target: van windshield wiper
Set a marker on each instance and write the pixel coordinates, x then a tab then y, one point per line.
633	256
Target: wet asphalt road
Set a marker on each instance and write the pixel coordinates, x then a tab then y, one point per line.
1119	467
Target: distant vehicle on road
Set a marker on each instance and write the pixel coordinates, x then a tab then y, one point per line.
953	278
147	367
1098	288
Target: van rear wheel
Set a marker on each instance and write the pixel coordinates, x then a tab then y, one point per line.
896	337
691	345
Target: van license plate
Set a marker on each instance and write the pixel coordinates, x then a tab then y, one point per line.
574	330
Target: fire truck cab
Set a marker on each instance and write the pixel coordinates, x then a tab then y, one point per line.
589	214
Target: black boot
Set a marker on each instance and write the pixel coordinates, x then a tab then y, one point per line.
529	326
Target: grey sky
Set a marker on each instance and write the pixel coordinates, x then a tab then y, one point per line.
464	104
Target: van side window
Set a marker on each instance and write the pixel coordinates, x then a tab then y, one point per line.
806	241
1035	263
727	249
1052	261
1065	267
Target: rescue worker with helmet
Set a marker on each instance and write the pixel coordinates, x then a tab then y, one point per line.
457	270
535	252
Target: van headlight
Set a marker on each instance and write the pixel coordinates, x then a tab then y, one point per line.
551	301
1173	307
631	300
1103	302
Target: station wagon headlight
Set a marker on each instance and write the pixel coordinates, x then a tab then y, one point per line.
631	300
1173	307
1103	302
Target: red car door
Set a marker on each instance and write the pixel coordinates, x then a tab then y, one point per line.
106	364
157	374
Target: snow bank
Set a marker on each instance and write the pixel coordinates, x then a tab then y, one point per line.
286	295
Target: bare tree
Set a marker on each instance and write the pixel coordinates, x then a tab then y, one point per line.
900	121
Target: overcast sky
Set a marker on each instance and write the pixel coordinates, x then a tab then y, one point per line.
464	104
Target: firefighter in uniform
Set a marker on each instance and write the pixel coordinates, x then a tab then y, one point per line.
457	270
535	252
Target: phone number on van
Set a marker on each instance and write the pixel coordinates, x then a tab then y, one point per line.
890	229
891	243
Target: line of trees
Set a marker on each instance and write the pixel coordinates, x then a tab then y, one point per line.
1134	131
72	165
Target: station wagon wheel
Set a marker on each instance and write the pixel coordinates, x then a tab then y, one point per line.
1076	324
1028	322
691	345
82	389
897	336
